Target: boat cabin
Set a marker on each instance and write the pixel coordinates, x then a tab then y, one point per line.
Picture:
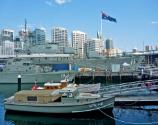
54	86
68	92
41	97
46	96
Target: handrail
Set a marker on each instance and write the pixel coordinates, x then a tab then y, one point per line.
131	86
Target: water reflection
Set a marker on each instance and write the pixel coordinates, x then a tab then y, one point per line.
26	119
135	115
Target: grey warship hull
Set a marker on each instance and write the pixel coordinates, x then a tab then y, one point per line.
33	77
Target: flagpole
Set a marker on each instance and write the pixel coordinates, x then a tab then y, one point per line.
101	33
101	28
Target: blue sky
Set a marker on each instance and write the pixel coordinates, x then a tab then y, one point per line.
137	20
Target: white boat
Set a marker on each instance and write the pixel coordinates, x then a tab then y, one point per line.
61	101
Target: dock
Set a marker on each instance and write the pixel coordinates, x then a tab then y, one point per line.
121	76
140	100
133	93
106	77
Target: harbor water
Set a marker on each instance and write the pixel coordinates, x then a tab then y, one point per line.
141	115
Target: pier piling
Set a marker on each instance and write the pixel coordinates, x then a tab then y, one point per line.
19	82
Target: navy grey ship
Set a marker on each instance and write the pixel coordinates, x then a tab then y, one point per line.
40	64
32	72
44	63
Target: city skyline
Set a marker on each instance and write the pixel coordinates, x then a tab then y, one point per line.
137	21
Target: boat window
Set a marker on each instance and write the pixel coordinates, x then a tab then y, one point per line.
26	64
32	98
9	63
47	87
48	47
70	95
17	60
58	100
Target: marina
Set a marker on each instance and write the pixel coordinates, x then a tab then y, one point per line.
63	65
135	114
67	96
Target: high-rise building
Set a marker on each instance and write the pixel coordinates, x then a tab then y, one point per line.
0	39
109	44
39	36
8	48
17	43
23	37
147	48
112	52
156	48
7	34
59	36
78	43
95	45
30	37
0	50
109	47
23	34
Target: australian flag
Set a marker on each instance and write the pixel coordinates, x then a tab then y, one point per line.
107	17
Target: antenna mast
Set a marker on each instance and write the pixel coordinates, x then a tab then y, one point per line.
25	29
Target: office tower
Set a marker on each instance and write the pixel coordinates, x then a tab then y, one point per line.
147	48
17	43
23	34
39	36
94	45
0	50
109	47
109	44
6	34
60	37
78	43
8	48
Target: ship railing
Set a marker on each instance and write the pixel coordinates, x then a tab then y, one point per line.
129	87
128	91
129	84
